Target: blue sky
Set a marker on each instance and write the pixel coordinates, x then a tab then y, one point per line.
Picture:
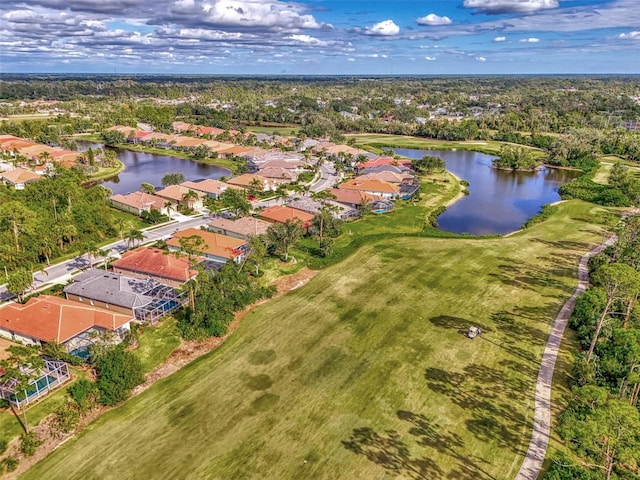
321	37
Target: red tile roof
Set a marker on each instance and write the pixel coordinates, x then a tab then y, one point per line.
278	213
155	262
214	243
47	318
384	161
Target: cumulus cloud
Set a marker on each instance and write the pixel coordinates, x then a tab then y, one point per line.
431	59
481	59
631	35
433	19
510	6
529	40
385	28
500	39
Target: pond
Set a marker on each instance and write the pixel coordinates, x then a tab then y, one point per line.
499	201
150	168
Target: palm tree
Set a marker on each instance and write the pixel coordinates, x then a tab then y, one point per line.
134	235
283	235
189	198
169	207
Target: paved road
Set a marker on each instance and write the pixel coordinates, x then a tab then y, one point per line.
530	469
61	272
329	177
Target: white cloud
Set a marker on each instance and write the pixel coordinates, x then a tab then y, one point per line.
431	59
433	19
500	39
529	40
481	59
385	28
308	40
510	6
632	35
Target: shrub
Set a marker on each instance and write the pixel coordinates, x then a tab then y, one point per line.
85	393
66	418
9	464
30	444
545	212
119	371
3	446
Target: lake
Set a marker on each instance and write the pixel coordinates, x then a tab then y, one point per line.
499	201
150	168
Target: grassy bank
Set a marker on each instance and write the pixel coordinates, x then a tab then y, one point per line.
376	143
362	373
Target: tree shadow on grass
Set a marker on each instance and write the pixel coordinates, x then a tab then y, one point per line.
392	452
489	396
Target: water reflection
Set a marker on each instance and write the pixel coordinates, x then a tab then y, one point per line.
499	201
150	168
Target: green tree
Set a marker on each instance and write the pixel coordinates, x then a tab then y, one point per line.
283	235
119	371
602	430
113	137
190	198
147	188
192	245
18	219
132	236
428	164
256	252
619	281
19	281
175	178
236	200
24	365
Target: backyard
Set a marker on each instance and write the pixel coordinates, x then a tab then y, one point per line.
363	372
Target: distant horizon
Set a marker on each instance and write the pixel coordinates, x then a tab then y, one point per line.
321	37
319	75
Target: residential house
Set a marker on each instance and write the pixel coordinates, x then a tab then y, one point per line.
352	198
391	177
216	247
251	180
47	319
245	227
180	195
309	205
138	202
143	298
381	188
164	267
18	178
280	214
377	162
209	186
279	175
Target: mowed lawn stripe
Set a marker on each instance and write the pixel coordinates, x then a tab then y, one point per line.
363	372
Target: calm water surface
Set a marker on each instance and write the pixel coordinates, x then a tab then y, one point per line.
150	168
499	201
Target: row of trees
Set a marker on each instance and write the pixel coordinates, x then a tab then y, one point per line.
602	421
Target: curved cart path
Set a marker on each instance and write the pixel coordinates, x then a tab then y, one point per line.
542	411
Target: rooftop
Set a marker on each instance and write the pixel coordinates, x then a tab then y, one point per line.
139	200
156	262
20	175
215	244
246	226
278	213
50	319
370	186
112	288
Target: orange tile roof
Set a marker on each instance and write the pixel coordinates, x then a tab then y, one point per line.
385	176
47	318
235	150
17	144
20	175
376	162
176	192
352	197
208	185
215	244
279	213
155	262
245	180
370	186
139	200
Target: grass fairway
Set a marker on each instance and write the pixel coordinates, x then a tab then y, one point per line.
362	373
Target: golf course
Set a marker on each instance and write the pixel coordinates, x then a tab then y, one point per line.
365	372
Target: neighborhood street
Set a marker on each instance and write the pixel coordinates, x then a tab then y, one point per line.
61	272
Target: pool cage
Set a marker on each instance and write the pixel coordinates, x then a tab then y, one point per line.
381	206
52	375
166	299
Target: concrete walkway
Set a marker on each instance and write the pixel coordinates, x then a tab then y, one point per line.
532	464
